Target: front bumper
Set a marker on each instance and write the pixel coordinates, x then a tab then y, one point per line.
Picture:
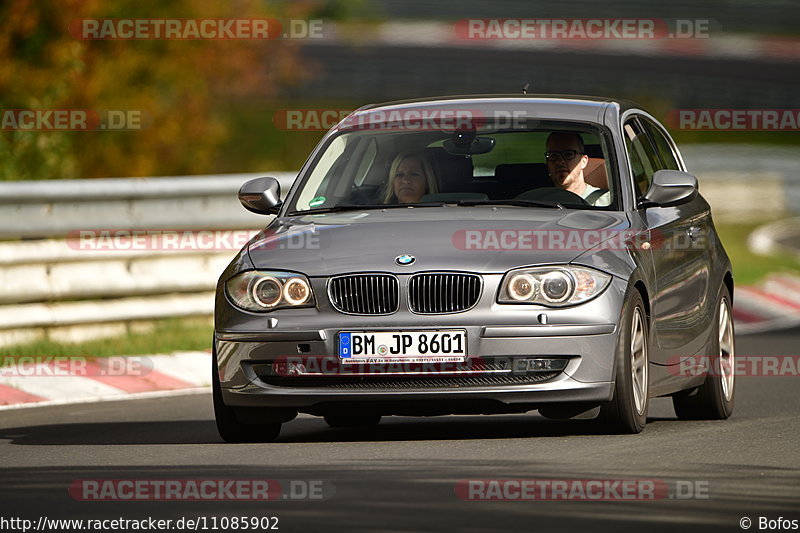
585	335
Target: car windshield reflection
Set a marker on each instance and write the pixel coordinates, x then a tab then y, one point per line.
542	165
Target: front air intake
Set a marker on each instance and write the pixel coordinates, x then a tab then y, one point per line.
443	292
365	294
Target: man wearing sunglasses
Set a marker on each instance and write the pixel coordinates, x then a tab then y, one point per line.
566	159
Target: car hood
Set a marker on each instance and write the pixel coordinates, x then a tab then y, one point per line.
484	239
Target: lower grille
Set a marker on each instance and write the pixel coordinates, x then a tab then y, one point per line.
410	382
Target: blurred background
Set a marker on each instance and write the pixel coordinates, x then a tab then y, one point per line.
217	109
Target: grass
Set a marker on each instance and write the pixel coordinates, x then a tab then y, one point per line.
167	336
750	268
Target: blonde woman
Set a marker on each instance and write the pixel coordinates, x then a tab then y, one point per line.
410	178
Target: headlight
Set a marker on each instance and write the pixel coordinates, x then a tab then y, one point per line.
522	286
557	286
296	291
264	291
267	292
553	286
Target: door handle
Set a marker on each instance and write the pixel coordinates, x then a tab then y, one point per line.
694	232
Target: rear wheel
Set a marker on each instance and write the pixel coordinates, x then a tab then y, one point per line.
714	399
627	411
352	420
229	427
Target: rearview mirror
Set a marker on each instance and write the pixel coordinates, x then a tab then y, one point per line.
261	195
466	143
670	188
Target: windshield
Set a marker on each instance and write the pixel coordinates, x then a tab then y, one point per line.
541	164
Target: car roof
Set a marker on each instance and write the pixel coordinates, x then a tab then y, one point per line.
575	107
599	101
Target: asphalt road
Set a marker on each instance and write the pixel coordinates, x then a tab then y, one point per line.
401	475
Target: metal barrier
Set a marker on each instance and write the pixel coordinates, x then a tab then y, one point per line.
59	284
40	209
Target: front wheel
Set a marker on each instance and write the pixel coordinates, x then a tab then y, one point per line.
713	400
627	411
229	427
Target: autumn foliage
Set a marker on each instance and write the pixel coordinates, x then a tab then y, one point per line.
181	87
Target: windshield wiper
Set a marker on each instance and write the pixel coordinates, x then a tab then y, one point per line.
357	207
518	203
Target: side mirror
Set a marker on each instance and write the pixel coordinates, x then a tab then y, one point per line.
670	188
261	195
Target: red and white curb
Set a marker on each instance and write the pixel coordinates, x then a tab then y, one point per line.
779	237
773	304
52	383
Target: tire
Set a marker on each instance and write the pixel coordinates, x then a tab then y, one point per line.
229	427
352	420
627	411
714	399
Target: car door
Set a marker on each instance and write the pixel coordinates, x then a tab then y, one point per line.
679	246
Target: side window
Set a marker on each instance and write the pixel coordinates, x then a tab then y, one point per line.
644	160
663	146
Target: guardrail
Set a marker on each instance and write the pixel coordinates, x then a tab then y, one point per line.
55	287
747	182
60	286
40	209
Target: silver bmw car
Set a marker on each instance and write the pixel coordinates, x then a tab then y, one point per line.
480	254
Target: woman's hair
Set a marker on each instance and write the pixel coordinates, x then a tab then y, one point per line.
427	169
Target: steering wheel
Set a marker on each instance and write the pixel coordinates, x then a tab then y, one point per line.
553	194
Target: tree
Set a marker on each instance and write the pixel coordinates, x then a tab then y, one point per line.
178	86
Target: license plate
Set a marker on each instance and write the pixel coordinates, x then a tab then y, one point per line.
443	346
